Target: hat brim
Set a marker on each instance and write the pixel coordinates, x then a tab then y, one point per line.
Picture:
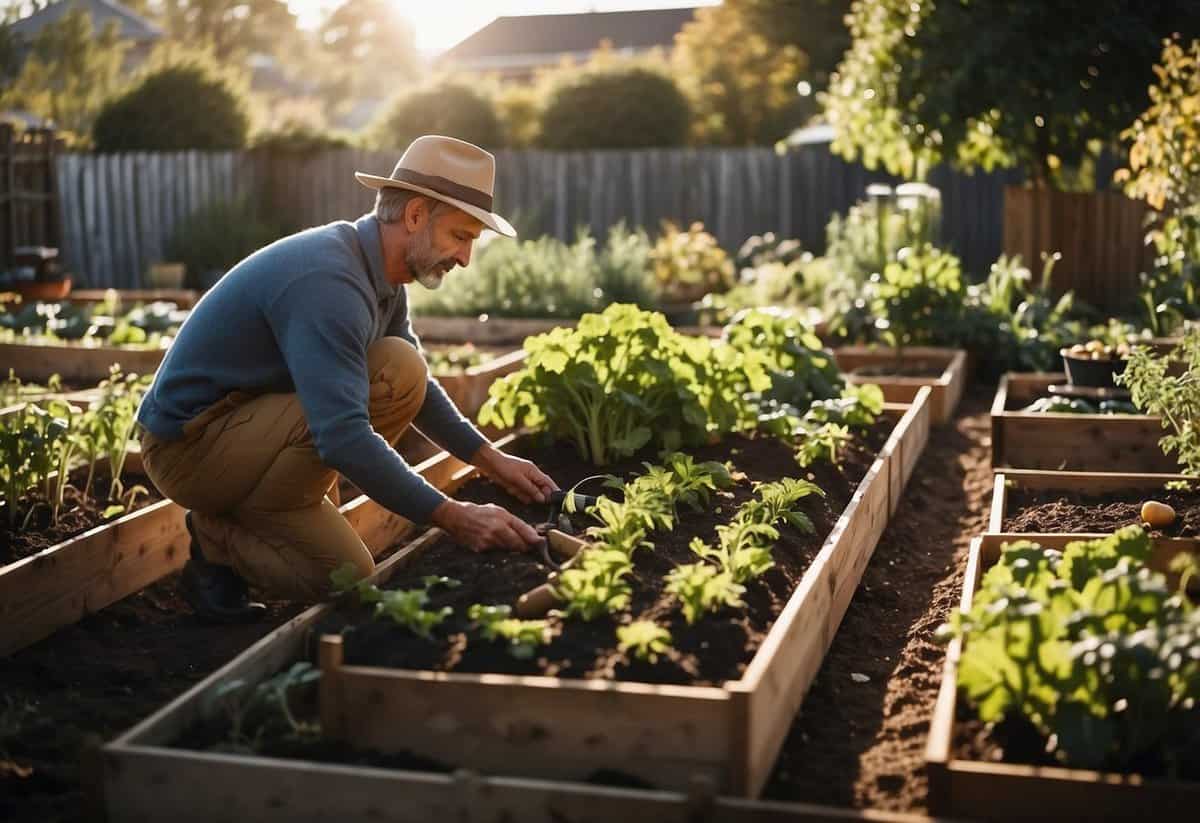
490	219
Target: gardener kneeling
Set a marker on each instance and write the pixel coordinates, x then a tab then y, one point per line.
301	363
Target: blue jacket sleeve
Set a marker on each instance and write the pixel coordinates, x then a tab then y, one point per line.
321	323
439	418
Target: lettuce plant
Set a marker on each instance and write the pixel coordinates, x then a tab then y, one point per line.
1091	647
497	623
645	639
624	379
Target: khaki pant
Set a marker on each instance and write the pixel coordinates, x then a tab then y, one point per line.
248	470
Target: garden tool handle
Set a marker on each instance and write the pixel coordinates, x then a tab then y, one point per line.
536	602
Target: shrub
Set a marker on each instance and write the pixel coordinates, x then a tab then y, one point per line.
618	107
449	108
216	237
179	107
689	264
300	139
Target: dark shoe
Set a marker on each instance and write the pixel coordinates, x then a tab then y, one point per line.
216	593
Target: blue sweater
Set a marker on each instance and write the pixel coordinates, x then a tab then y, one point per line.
297	316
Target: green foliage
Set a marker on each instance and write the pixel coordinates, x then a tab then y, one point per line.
816	27
864	103
217	236
743	548
450	108
1089	647
70	69
645	639
702	588
1164	153
689	264
617	106
1170	291
545	278
743	87
916	295
1041	106
624	379
1169	386
150	117
405	607
801	369
38	443
824	430
595	585
263	710
456	359
497	623
300	139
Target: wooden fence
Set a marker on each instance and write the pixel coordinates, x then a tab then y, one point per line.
28	216
120	211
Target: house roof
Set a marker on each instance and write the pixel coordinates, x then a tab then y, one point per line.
130	25
552	34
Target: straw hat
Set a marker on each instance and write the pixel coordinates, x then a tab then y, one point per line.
450	170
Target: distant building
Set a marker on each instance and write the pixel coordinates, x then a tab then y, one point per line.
514	48
140	32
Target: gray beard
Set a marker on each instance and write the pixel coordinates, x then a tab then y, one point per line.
431	280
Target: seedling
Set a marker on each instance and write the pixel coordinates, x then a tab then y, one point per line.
254	712
703	588
645	639
497	623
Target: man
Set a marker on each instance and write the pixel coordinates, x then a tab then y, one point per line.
301	363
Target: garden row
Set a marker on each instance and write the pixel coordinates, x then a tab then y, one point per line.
1073	668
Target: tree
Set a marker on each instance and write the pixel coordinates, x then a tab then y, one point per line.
816	27
1043	87
1031	90
619	106
370	50
187	105
872	123
450	108
69	71
743	88
231	28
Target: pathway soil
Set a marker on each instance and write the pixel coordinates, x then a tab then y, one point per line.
862	743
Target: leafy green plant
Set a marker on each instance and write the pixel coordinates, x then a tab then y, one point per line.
109	425
801	369
743	548
253	712
497	623
702	588
1169	386
405	607
596	584
624	379
688	263
545	278
644	639
217	236
1088	646
915	295
822	444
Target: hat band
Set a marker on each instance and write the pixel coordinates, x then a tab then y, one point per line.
442	185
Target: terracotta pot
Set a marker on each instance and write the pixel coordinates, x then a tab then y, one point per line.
43	290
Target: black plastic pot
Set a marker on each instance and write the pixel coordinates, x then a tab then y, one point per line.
1084	371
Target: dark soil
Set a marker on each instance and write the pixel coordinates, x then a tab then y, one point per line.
78	514
715	649
89	682
862	744
1056	512
906	368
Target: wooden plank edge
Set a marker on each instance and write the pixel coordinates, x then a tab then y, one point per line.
204	785
56	609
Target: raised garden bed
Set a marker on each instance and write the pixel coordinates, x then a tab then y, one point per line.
508	331
1077	442
184	298
469	389
965	785
1087	503
723	737
943	370
62	583
76	364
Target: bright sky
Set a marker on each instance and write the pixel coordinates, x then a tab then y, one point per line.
439	24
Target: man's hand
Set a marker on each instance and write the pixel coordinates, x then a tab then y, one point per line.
481	528
516	475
